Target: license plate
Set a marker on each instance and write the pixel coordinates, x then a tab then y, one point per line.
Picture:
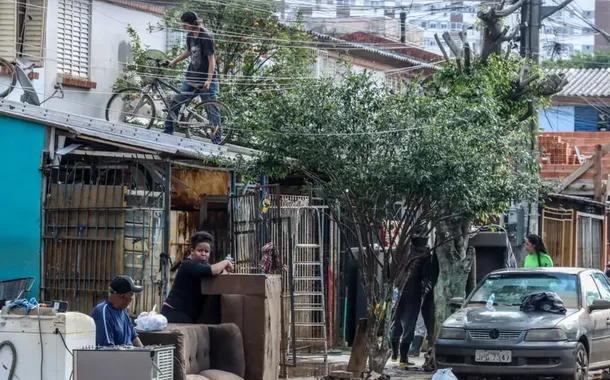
493	356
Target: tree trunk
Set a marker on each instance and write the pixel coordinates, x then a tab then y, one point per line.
379	352
454	261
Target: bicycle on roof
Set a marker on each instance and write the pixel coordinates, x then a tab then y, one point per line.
13	72
149	107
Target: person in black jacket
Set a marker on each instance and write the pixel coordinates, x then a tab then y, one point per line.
410	302
184	302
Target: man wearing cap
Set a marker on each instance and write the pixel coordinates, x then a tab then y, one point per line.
112	323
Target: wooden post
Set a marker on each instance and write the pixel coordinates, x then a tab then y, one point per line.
359	355
597	180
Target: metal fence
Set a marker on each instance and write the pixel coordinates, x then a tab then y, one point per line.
103	216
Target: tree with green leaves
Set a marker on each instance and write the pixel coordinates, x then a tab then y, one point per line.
446	151
454	148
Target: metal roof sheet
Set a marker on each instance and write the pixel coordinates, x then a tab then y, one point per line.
584	82
123	134
382	53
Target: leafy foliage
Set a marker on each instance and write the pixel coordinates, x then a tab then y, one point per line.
254	51
599	60
140	69
452	146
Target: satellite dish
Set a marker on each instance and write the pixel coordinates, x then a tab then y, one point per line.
29	93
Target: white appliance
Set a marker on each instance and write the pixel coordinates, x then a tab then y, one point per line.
26	332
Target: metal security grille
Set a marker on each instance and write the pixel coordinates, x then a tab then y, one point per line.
73	37
164	363
102	217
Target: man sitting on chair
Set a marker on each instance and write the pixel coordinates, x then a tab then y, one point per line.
112	323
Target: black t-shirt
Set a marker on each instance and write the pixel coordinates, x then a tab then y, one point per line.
185	295
200	48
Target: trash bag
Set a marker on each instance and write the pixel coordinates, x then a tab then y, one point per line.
544	301
444	374
151	321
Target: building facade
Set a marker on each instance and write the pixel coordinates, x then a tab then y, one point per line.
566	32
82	44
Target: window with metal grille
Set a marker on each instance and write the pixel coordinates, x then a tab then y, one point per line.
73	37
22	30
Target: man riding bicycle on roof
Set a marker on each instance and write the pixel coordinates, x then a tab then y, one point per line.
201	76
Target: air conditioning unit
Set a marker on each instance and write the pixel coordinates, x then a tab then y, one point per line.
133	363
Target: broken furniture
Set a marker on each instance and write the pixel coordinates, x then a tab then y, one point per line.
253	303
202	352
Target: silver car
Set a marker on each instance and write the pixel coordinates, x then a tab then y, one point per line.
504	341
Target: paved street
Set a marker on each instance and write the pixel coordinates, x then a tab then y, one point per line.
392	369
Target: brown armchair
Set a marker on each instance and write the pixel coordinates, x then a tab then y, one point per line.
203	352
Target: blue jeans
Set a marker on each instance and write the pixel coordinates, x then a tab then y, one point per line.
188	93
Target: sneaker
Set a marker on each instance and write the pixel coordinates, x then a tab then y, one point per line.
394	360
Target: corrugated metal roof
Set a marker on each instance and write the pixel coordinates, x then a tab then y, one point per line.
122	134
382	53
584	82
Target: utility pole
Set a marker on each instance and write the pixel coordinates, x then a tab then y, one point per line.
403	27
532	15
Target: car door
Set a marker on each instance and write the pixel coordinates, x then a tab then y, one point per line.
604	290
598	318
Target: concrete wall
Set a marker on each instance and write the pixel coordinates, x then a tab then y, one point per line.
20	194
557	119
109	49
334	67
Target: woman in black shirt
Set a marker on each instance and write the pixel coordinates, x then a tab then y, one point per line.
184	302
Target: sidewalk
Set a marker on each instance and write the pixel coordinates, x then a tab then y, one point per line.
391	369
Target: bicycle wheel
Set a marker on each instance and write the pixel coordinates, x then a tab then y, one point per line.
131	107
8	78
210	119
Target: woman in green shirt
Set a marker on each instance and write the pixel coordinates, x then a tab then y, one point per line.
537	255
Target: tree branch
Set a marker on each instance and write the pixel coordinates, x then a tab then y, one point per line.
467	57
454	48
441	47
510	10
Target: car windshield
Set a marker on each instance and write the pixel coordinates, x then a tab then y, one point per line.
511	288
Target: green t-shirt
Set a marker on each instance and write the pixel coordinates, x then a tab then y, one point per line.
531	260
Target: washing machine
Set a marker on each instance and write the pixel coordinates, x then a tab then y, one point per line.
40	346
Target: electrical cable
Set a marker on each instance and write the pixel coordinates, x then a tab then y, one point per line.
41	345
11	346
67	349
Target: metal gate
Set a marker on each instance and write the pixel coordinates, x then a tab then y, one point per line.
102	217
558	235
255	221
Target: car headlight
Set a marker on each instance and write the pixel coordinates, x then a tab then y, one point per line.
546	335
452	333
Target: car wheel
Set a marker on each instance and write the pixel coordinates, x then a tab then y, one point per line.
581	365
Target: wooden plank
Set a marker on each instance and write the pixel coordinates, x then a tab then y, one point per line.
198	183
245	284
597	179
359	355
576	174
